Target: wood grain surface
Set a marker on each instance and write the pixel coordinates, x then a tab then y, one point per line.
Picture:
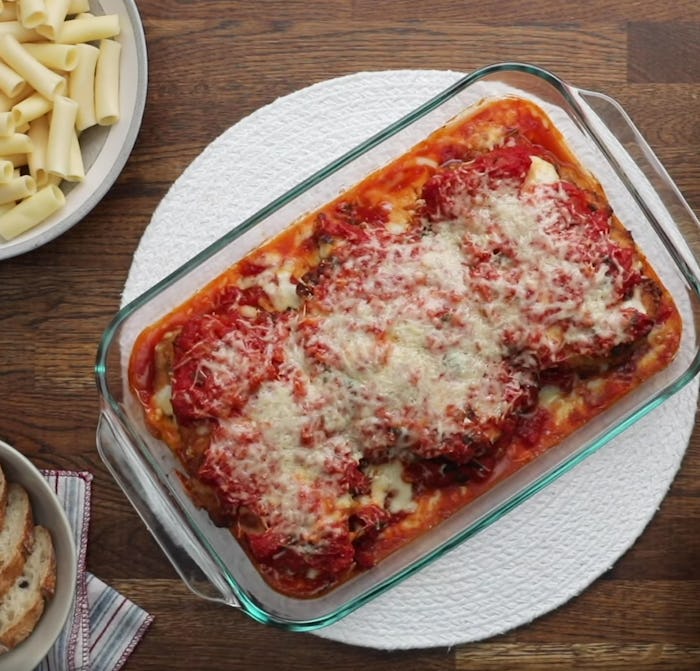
211	63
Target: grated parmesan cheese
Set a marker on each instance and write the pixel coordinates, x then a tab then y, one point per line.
410	330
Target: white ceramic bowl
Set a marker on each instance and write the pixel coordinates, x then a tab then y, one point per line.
105	148
48	512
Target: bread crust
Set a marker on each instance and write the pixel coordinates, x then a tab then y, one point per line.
20	631
27	568
15	535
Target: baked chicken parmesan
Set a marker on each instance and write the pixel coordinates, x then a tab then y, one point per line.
386	359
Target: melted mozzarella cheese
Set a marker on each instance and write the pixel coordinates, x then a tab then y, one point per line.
389	488
540	172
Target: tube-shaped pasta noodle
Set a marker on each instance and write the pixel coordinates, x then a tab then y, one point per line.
36	158
17	189
78	6
6	103
30	108
17	143
76	169
17	160
55	56
32	13
6	207
24	92
19	32
46	82
60	131
8	11
58	82
56	11
10	82
88	29
7	124
6	170
107	83
31	211
81	85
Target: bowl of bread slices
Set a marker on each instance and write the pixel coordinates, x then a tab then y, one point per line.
37	563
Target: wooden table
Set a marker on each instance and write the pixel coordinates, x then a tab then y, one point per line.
212	62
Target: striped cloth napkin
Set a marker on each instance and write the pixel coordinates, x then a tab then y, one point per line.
104	627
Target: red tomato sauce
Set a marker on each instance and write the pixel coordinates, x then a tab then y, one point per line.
327	249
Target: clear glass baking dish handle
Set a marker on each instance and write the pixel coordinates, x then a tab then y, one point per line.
161	514
612	126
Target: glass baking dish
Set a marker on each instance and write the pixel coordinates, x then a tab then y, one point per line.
208	558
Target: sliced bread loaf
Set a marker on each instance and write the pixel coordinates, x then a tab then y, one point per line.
23	604
15	535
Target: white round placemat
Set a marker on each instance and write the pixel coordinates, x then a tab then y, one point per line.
540	555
